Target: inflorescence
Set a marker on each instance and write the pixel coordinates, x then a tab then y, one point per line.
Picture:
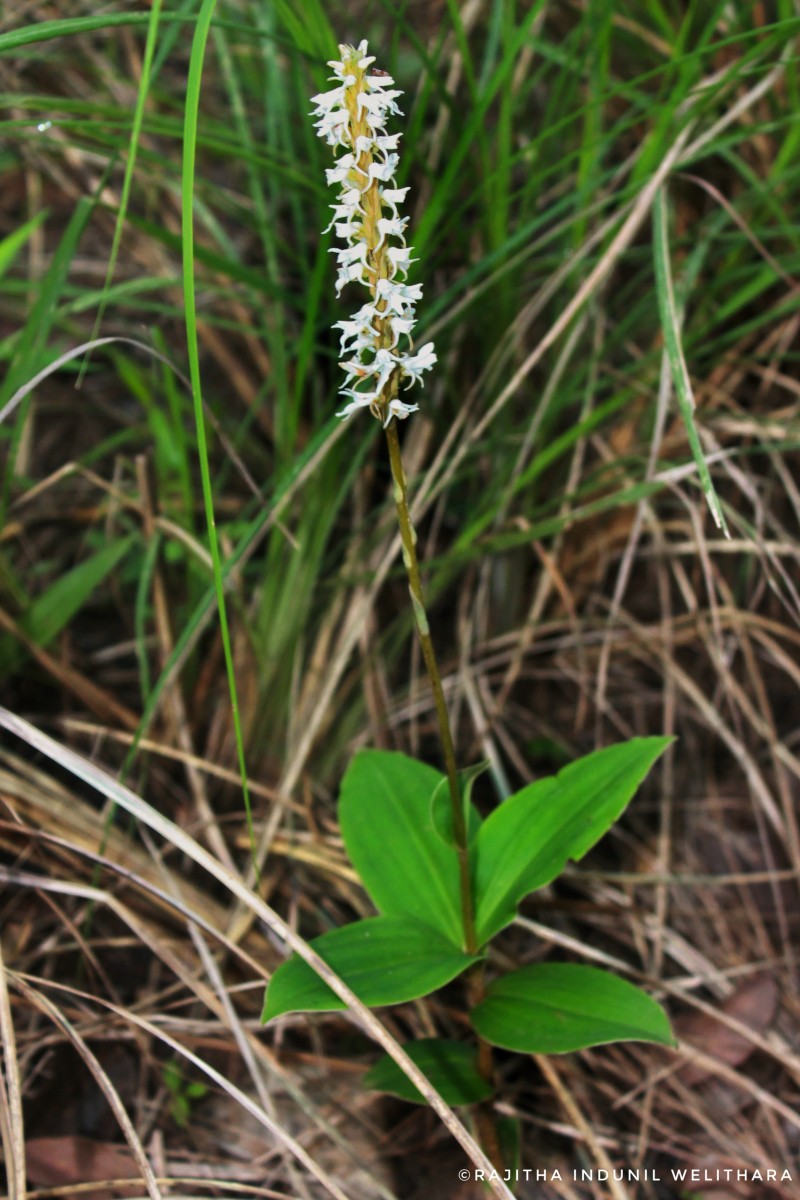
352	118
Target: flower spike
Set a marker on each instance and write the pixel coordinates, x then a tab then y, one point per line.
351	117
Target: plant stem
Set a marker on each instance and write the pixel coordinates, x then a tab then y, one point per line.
409	539
485	1120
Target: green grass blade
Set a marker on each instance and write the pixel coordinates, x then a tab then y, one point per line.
54	609
31	345
130	166
670	324
11	245
187	218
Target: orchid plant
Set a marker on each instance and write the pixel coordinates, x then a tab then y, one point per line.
445	882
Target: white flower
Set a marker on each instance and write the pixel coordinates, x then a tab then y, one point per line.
348	229
359	400
389	141
393	197
399	257
343	212
383	365
361	328
413	365
354	272
364	60
383	170
340	172
364	143
401	325
334	128
390	227
379	104
398	409
325	101
354	369
351	254
400	298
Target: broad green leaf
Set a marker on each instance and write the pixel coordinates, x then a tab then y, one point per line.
442	805
452	1068
525	843
385	818
385	960
552	1008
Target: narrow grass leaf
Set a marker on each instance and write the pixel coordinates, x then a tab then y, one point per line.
670	325
526	842
30	348
385	819
54	609
553	1008
191	117
385	960
136	130
11	245
45	31
452	1068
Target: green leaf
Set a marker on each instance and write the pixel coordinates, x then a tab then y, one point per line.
552	1008
451	1067
385	960
442	805
525	843
385	818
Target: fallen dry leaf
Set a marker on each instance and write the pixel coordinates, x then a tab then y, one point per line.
753	1004
55	1161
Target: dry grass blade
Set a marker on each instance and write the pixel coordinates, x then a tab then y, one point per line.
234	1092
66	357
11	1123
584	1126
254	1053
103	1081
167	829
